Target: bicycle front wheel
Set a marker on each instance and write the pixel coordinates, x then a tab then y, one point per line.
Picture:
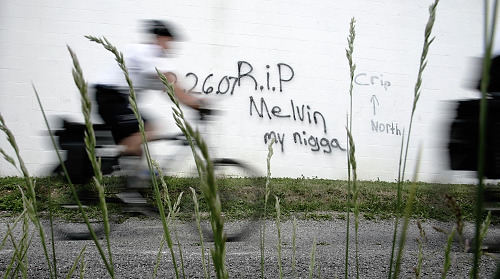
241	191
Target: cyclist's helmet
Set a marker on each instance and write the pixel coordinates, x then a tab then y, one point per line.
159	28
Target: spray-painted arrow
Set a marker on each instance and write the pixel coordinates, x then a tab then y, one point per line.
375	103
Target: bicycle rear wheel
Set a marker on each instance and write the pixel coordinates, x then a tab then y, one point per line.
74	227
241	191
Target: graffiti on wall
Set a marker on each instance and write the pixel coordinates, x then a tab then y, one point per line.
228	83
364	79
298	113
378	126
276	79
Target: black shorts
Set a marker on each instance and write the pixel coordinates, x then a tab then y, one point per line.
114	108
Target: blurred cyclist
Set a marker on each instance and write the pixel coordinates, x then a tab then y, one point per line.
112	91
112	95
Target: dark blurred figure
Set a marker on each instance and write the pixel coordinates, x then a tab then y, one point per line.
464	140
464	136
494	83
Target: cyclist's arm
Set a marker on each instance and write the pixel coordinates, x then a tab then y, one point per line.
181	94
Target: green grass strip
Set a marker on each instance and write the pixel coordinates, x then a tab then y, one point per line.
316	198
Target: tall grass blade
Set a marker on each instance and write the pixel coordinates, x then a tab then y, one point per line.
417	88
352	160
76	263
398	206
447	257
30	190
294	246
8	158
14	255
19	251
482	234
90	144
10	229
158	257
459	218
166	195
72	187
133	103
313	259
162	242
82	267
352	68
416	97
264	216
484	229
278	227
489	33
407	215
22	262
171	220
262	251
208	264
348	211
208	185
181	257
198	225
21	265
420	257
51	223
9	236
172	210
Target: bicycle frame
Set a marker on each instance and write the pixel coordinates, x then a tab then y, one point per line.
71	139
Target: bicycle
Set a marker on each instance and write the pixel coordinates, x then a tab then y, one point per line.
239	184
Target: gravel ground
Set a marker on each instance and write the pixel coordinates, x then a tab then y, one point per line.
136	241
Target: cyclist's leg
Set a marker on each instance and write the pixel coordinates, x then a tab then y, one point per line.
132	144
115	110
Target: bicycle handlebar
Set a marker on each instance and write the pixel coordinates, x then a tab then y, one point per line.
203	113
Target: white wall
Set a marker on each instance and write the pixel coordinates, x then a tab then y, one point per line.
309	36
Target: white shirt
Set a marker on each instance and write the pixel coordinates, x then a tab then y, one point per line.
496	45
141	61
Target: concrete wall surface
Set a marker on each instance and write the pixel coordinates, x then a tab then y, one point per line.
293	77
